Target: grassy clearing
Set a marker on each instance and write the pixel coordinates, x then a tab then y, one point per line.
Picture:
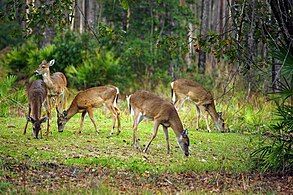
214	152
209	151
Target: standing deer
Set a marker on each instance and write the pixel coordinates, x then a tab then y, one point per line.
143	104
56	85
183	89
37	97
85	102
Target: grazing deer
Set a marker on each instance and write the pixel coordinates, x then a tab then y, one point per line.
85	101
37	97
56	85
183	89
143	104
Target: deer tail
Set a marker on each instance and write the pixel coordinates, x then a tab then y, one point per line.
116	97
173	96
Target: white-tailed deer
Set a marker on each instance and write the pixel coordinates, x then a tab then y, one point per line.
37	97
183	89
85	102
144	104
56	85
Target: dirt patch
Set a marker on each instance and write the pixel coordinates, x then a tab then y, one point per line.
54	177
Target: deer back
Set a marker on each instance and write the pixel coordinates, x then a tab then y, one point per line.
193	90
153	106
94	97
37	94
59	82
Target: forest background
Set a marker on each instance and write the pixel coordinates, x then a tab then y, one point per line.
239	49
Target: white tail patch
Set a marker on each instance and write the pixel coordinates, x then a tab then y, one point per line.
129	105
173	94
116	97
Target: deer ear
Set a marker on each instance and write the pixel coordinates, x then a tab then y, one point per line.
30	119
58	113
44	119
52	62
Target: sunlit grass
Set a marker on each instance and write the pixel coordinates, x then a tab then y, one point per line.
209	151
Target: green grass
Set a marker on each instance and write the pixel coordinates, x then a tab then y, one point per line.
213	152
209	151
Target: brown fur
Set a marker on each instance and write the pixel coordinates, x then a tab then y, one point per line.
161	111
203	99
37	95
56	85
85	102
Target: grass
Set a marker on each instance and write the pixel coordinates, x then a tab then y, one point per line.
209	152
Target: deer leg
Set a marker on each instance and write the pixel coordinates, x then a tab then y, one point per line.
118	119
29	113
81	121
114	118
91	115
138	117
180	103
176	103
48	110
167	138
197	116
207	122
155	131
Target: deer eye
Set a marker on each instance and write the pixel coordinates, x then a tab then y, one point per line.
43	66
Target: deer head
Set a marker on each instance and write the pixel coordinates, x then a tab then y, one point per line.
61	120
183	142
44	67
220	124
37	125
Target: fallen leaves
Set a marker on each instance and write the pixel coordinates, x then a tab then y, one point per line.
49	176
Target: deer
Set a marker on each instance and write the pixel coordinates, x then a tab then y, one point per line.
37	98
183	89
86	101
56	85
146	105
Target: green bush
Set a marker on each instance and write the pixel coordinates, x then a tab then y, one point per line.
275	151
71	49
9	97
17	58
10	34
23	60
100	69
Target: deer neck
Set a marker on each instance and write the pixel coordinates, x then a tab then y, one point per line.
212	111
177	126
36	111
48	81
72	110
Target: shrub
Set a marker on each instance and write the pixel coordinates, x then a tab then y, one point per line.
10	97
100	69
275	151
70	49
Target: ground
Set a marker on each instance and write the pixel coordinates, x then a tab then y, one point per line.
85	163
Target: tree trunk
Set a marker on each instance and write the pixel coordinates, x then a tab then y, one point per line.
276	66
203	32
91	13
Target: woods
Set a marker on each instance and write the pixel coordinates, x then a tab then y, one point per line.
234	56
